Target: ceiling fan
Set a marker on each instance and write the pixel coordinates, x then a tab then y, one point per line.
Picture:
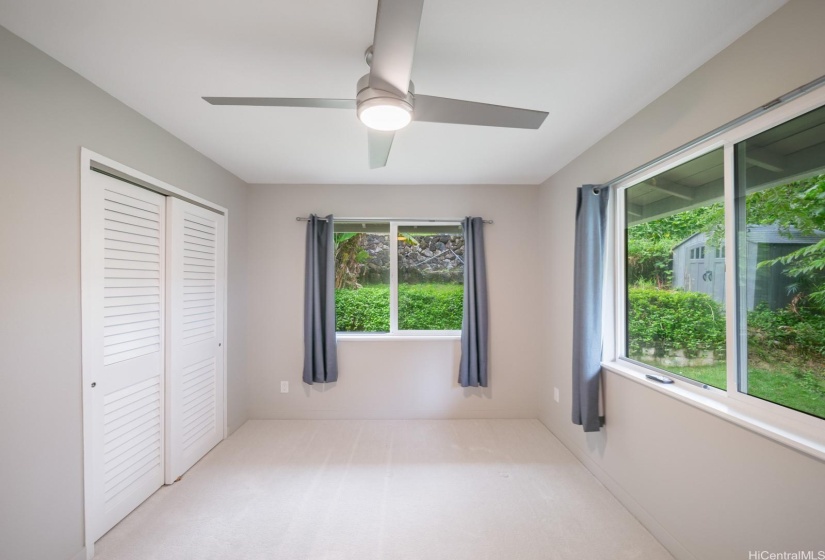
386	100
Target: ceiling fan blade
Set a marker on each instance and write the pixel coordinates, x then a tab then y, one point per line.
283	102
380	143
456	111
393	47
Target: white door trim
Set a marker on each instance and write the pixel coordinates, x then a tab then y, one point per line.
92	162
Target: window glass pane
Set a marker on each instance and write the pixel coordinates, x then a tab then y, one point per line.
362	277
780	209
430	277
675	287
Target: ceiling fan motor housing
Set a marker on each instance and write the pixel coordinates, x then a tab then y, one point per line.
369	97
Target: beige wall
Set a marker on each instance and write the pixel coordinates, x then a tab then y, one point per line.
47	112
706	488
392	379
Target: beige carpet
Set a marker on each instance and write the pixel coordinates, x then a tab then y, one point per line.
394	490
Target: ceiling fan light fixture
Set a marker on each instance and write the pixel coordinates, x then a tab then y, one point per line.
385	113
385	98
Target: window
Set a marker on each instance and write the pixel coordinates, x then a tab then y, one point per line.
780	274
362	277
430	277
697	253
399	277
749	321
675	299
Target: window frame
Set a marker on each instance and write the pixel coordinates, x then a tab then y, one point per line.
395	333
796	429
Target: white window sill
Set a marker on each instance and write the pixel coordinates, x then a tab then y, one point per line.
801	436
387	337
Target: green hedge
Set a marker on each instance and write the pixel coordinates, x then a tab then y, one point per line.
420	307
436	307
366	309
801	331
669	320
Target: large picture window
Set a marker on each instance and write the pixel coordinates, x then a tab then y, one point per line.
724	265
399	277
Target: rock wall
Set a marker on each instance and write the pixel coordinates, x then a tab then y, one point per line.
429	258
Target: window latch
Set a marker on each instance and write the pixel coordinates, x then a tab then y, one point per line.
659	378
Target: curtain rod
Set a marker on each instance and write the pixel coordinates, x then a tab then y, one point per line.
372	220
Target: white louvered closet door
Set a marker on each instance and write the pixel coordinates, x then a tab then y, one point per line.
124	261
195	372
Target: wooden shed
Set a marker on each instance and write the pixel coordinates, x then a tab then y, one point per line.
700	267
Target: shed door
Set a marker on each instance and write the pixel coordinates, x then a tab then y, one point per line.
123	296
694	277
195	379
719	280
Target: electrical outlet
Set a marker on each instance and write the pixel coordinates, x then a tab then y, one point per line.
285	387
556	394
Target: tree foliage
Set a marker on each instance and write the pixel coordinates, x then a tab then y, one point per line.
799	205
649	262
650	244
796	206
678	227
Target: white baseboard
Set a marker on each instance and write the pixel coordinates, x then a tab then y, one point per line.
659	532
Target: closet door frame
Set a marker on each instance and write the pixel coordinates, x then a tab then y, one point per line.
92	162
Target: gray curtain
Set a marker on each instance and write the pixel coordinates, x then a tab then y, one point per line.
320	350
472	370
591	219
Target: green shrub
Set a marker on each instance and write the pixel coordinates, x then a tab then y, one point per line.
649	261
801	331
434	307
366	309
420	307
669	320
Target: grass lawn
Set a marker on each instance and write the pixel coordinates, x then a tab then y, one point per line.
798	388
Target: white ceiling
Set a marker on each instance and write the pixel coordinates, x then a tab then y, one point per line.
590	63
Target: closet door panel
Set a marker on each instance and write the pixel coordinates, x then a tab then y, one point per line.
195	382
123	304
